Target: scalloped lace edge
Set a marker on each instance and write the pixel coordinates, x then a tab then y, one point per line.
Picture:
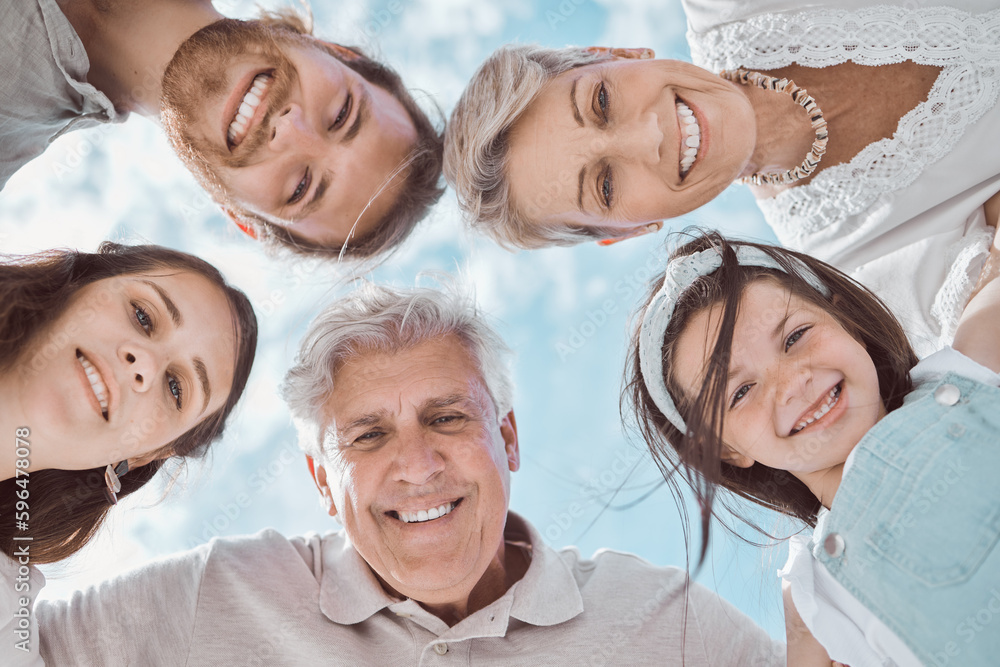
847	189
825	37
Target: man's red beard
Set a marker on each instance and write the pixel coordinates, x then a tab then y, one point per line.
201	71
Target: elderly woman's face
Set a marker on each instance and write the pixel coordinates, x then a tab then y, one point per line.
605	145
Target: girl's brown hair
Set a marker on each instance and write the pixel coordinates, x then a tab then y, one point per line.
696	456
68	506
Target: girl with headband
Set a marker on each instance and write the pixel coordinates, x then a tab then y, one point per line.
770	374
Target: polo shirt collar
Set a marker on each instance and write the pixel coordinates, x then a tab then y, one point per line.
547	594
349	591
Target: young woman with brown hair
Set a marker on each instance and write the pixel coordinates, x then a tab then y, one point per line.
110	363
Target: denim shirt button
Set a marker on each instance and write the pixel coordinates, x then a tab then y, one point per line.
947	394
834	545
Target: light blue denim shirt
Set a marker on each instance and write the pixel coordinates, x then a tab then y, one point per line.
913	531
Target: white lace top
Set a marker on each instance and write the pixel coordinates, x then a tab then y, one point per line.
904	216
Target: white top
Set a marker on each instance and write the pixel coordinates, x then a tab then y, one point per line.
904	216
849	632
20	584
270	600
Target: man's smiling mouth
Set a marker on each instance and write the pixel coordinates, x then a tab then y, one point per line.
253	98
423	516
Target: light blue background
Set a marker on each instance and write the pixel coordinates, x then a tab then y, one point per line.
565	311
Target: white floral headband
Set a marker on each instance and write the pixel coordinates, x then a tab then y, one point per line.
680	274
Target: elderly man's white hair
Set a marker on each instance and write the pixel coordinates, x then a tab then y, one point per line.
382	319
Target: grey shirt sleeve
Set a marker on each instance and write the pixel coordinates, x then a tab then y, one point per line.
145	617
728	636
18	626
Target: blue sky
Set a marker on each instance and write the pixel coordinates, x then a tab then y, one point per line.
565	311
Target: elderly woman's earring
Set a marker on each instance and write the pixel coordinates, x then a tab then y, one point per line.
111	478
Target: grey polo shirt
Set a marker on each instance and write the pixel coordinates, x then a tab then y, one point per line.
43	82
270	600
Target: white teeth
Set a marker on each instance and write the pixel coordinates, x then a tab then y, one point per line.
425	515
248	106
831	400
691	133
96	383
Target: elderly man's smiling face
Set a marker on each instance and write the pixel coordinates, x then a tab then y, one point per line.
411	436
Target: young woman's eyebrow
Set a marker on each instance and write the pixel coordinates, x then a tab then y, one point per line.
206	388
171	307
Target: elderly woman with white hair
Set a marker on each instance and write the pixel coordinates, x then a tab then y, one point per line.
878	169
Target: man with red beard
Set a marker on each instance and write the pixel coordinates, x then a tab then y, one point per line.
304	143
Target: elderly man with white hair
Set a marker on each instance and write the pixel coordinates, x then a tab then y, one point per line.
403	402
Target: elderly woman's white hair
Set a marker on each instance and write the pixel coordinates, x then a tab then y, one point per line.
375	318
477	143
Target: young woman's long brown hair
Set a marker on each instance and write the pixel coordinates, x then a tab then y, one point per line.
696	457
68	506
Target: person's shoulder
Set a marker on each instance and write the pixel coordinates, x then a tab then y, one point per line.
949	360
615	558
705	15
620	570
268	547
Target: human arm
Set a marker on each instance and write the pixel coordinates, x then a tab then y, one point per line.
145	617
729	637
979	327
803	649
